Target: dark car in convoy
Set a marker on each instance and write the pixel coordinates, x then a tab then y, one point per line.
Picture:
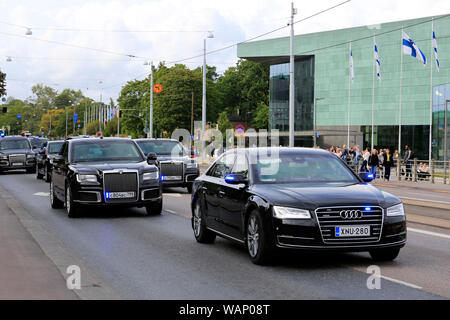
178	167
44	159
38	143
104	172
16	153
295	198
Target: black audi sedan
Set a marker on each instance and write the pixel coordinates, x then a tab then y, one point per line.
104	172
44	159
16	153
178	167
295	198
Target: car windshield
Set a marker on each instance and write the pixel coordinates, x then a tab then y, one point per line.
14	144
162	147
301	168
105	151
55	147
37	142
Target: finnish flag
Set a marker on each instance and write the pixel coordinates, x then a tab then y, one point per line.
377	62
435	51
352	72
410	48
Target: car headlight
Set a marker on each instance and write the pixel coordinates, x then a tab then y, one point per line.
86	178
192	165
396	210
150	175
290	213
30	156
3	157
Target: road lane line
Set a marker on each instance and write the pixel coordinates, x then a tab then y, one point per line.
401	282
430	233
173	194
41	194
170	211
424	200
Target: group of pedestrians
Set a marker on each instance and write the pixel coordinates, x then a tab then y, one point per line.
378	162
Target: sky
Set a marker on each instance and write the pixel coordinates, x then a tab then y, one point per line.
97	46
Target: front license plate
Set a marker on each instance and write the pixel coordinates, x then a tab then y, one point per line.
172	178
121	195
352	231
17	164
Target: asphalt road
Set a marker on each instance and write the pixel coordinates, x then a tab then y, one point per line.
142	257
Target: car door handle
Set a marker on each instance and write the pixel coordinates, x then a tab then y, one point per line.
221	193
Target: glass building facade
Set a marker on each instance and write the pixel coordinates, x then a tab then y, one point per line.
404	97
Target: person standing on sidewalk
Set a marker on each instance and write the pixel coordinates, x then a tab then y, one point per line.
407	162
387	163
374	162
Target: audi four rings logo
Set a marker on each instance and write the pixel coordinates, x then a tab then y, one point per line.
351	214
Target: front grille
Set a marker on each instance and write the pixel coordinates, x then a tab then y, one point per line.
169	169
328	218
121	182
17	158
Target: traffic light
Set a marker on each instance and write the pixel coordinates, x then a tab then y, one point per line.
4	109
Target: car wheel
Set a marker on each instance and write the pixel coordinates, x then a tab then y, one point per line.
54	201
47	176
189	188
154	209
71	206
201	233
38	175
259	246
384	254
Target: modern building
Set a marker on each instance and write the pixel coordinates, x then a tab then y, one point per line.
327	99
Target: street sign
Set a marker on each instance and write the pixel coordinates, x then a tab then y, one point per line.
240	129
317	134
19	116
75	117
157	88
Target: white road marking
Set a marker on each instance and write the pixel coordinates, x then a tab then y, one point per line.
430	233
401	282
424	200
170	211
42	194
173	194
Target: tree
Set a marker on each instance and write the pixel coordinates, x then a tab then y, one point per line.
224	123
261	120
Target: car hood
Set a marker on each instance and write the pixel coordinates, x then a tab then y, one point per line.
99	168
16	151
312	196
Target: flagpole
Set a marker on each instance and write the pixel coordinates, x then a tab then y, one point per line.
348	108
400	102
373	92
431	96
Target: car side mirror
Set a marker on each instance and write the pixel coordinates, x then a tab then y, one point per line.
366	176
236	178
151	158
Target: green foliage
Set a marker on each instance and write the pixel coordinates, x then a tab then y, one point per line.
92	128
110	129
224	123
261	120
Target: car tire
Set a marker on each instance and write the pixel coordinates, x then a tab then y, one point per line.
259	245
47	176
189	188
154	209
201	233
31	170
54	201
388	254
38	175
71	206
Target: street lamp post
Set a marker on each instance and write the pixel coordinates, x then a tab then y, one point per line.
445	140
291	81
210	35
315	120
150	114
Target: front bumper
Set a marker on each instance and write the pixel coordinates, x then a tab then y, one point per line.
188	178
306	234
6	165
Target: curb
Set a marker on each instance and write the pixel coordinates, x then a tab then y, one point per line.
91	286
430	204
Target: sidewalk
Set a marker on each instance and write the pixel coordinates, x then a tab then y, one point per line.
25	271
420	185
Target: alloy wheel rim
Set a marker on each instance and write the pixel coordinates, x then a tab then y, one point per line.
51	192
253	237
197	220
68	200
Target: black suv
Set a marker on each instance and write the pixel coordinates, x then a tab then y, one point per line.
44	159
16	153
178	167
104	172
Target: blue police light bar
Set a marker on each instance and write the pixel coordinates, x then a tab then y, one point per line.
163	178
106	195
229	178
367	209
370	175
